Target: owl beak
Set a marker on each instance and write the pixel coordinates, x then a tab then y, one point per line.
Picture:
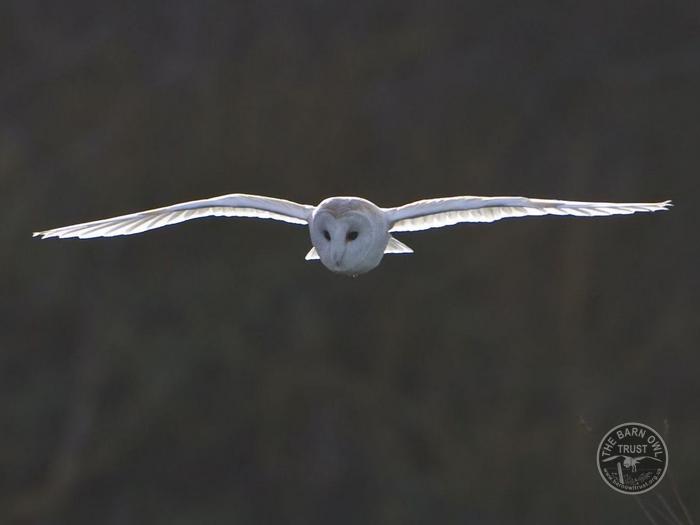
337	256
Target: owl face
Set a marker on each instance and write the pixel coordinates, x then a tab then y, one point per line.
348	241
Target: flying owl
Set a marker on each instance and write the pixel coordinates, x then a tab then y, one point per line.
350	235
631	462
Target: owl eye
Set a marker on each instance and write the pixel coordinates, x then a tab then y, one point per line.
327	235
352	236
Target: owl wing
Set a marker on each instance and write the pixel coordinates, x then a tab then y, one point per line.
436	213
612	458
639	458
233	205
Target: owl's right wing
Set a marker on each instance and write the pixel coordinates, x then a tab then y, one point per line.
436	213
233	205
639	458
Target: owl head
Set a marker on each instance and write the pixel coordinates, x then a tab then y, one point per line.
350	235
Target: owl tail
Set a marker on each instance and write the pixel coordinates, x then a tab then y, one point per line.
312	255
393	246
396	246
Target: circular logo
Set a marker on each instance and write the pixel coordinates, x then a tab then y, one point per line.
632	458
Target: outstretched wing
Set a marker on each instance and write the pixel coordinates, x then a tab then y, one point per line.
234	205
612	458
436	213
639	458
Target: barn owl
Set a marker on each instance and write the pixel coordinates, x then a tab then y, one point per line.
631	462
350	235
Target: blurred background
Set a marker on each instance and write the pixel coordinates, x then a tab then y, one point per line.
206	373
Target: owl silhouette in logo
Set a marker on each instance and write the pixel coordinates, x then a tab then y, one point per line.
631	462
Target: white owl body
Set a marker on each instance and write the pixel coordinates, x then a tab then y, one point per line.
350	235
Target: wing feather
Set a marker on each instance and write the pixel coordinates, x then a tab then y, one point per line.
436	213
234	205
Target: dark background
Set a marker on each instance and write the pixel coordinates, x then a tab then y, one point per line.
206	373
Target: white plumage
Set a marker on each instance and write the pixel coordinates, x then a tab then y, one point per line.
349	234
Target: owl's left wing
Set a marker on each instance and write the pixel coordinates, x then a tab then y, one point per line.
233	205
436	213
612	458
